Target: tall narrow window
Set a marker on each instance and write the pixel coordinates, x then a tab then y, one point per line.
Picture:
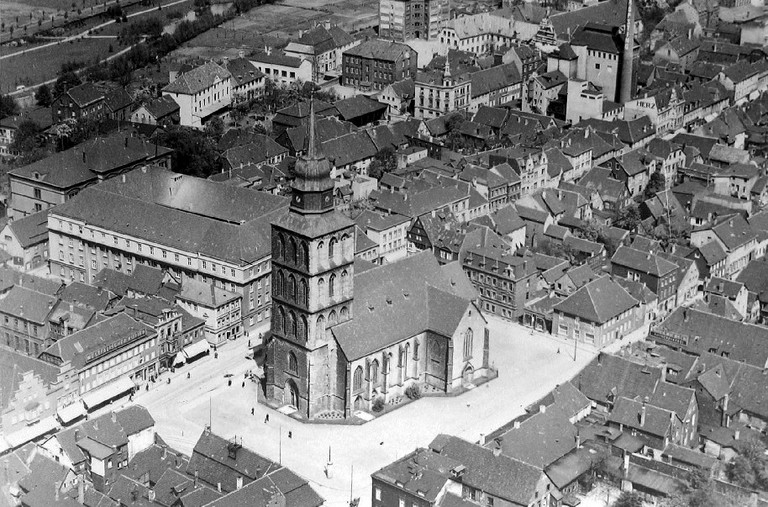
357	382
293	364
332	286
331	249
468	344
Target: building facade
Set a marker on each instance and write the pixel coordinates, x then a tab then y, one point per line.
402	20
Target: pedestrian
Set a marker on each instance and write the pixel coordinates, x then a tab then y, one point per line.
243	383
169	380
147	387
249	344
216	355
252	410
558	350
187	374
266	419
229	383
290	434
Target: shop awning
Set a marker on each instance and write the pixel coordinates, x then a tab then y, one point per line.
179	359
196	349
71	412
24	435
109	391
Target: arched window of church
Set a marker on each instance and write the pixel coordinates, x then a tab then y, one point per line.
344	280
280	319
344	245
320	327
291	331
303	292
292	287
305	254
304	326
280	283
291	253
332	286
320	251
280	246
332	318
293	364
374	374
416	350
357	381
332	249
320	287
468	337
344	313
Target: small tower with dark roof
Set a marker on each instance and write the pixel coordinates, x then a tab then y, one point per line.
313	249
628	64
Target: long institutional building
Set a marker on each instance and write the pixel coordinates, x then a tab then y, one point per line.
214	233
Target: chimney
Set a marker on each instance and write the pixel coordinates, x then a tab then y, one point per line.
77	434
239	482
114	417
736	434
542	409
517	425
578	440
83	156
724	420
625	466
642	412
126	141
685	315
57	487
165	452
151	495
218	487
197	480
599	358
327	24
497	450
96	424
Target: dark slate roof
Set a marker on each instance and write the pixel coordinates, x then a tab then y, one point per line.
27	304
397	301
493	79
222	221
542	438
259	150
10	277
85	94
31	230
266	490
628	412
357	106
83	163
734	232
211	460
499	476
703	332
609	376
598	301
493	117
610	13
118	99
161	107
644	262
598	37
243	71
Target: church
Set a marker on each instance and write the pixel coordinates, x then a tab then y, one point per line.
346	333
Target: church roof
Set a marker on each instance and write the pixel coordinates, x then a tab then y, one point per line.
397	301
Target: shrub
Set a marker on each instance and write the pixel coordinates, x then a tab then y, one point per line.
378	404
413	391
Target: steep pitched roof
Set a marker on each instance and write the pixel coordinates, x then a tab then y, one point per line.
645	262
628	412
31	230
598	301
27	304
198	79
607	377
397	301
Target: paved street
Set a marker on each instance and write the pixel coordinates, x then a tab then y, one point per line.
529	366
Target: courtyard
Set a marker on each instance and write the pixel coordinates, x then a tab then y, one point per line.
529	366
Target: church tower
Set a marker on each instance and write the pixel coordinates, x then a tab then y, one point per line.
313	249
628	78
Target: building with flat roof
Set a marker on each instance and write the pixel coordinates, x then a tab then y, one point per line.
403	20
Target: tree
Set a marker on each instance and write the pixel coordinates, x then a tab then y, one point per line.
656	183
43	96
628	499
385	161
628	218
214	128
66	80
750	468
8	106
195	154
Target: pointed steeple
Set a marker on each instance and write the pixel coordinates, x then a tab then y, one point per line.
312	185
447	68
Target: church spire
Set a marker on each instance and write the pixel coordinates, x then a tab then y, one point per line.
311	149
312	184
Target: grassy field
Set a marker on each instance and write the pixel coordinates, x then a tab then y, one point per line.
42	65
23	8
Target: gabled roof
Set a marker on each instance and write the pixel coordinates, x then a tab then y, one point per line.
198	79
161	107
493	79
27	304
243	71
598	301
31	230
380	50
644	262
610	13
357	106
541	438
85	94
13	366
628	412
607	377
397	301
697	332
499	476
